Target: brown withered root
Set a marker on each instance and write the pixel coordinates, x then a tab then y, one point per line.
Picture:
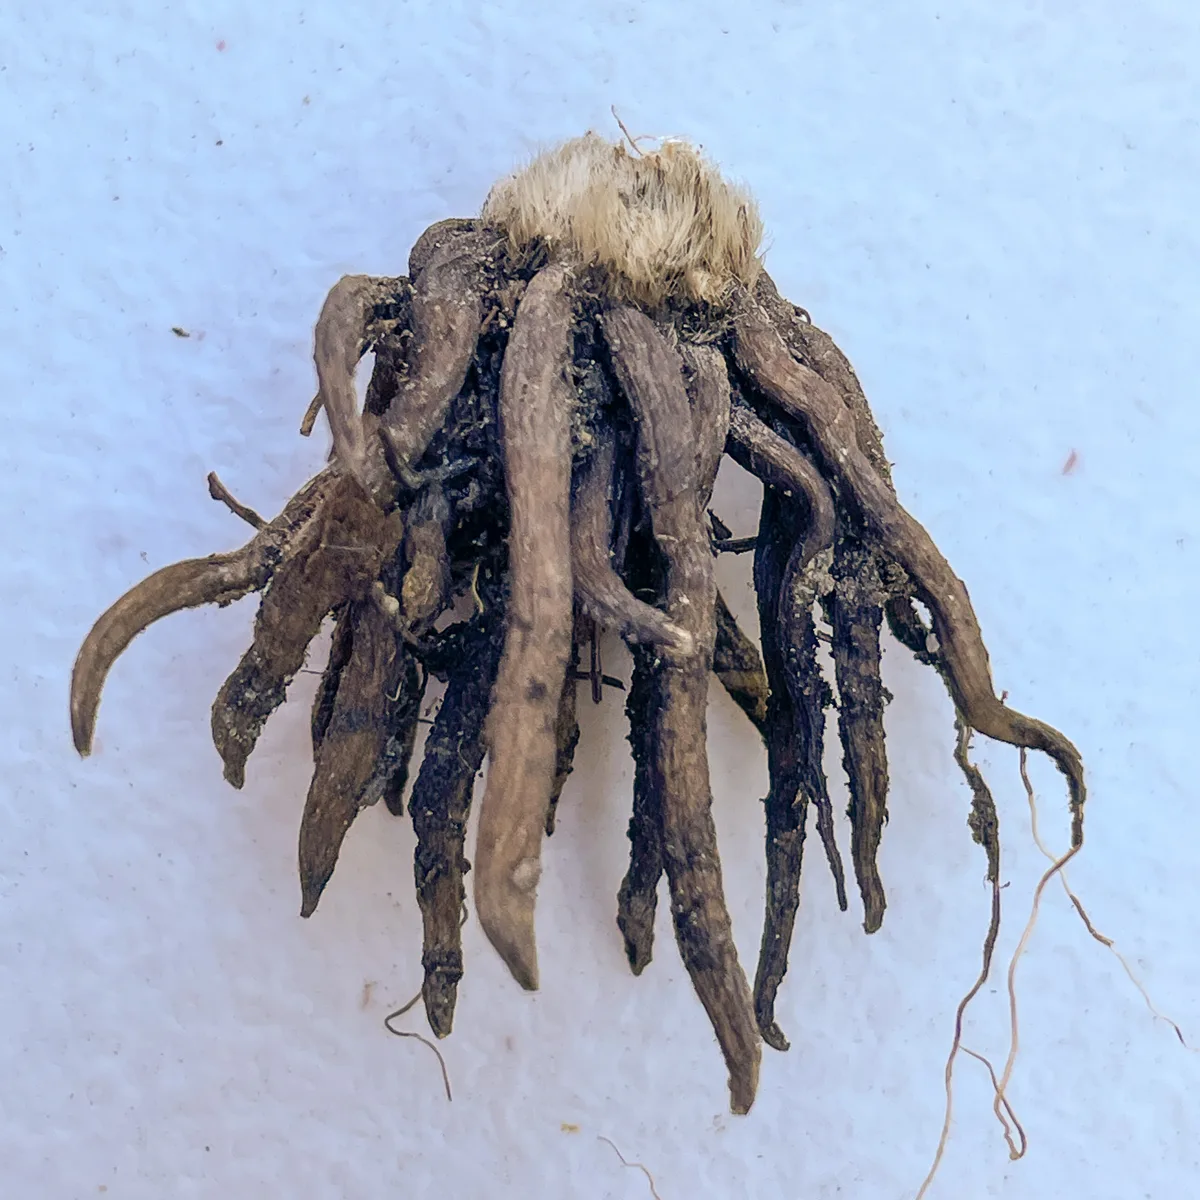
555	385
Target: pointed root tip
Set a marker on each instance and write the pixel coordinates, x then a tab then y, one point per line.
81	735
519	953
85	699
311	889
317	860
512	936
505	902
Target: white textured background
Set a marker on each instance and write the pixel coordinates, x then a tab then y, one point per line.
992	206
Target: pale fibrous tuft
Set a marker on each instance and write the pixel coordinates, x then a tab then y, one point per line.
663	225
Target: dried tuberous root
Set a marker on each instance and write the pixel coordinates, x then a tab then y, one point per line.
736	660
566	725
352	743
445	318
217	579
441	801
601	592
339	340
650	376
426	585
809	691
557	468
637	898
337	557
802	393
797	524
405	688
794	528
786	804
856	617
535	406
707	380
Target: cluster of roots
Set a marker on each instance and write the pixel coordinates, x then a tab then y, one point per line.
555	385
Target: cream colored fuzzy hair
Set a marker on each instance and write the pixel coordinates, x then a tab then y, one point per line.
664	225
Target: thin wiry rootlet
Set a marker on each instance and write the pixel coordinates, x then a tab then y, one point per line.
555	386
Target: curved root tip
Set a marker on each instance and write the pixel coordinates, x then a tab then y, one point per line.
873	921
87	682
83	722
337	346
188	584
774	1037
506	914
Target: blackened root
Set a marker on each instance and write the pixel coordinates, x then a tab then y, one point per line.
805	396
856	616
637	899
650	376
601	591
337	558
786	803
440	804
